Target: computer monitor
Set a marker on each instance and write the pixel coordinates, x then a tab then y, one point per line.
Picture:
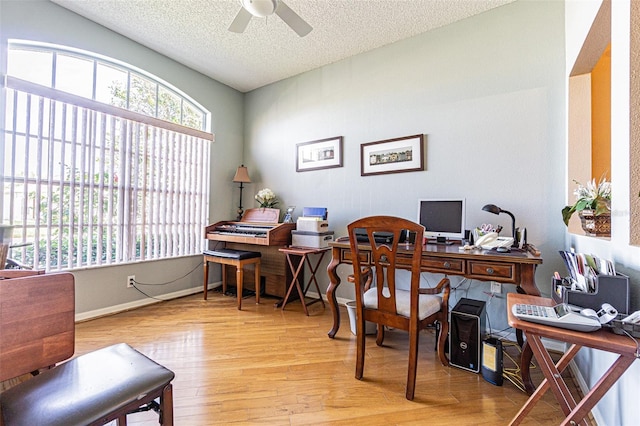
443	219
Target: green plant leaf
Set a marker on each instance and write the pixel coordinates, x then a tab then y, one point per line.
566	214
582	205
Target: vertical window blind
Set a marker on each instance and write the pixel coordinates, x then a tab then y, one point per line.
91	184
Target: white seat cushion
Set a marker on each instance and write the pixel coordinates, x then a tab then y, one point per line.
428	304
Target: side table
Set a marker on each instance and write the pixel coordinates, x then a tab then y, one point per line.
624	347
304	254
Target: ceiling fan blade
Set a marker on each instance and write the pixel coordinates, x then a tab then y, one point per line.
241	21
292	19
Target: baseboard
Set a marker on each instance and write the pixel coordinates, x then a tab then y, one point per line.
584	389
340	300
110	310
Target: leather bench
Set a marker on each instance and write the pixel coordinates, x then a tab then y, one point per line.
237	258
37	325
92	389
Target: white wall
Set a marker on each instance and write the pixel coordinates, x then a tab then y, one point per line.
488	93
617	406
101	290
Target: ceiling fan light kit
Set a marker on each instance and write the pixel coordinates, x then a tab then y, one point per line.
260	8
264	8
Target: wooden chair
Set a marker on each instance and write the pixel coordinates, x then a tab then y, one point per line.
386	305
37	325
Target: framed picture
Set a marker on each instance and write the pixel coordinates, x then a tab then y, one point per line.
397	155
320	154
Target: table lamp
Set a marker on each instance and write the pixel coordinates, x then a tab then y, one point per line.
241	177
492	208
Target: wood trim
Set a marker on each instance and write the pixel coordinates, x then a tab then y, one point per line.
57	95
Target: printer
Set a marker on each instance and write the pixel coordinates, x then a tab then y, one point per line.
312	229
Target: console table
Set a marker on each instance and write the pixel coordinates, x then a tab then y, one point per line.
517	268
604	340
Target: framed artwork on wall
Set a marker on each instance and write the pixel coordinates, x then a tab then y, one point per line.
320	154
397	155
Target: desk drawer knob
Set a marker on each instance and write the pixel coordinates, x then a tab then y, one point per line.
490	271
447	265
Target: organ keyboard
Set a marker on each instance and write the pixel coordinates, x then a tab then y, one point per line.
257	226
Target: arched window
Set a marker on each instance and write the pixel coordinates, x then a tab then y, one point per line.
103	164
104	80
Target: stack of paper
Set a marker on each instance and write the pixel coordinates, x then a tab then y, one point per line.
583	269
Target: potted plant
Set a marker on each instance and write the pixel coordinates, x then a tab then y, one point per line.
593	204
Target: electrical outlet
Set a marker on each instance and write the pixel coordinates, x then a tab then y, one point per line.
496	288
131	279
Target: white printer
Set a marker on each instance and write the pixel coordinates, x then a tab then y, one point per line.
312	229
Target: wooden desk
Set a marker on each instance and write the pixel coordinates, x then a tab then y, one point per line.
601	339
516	268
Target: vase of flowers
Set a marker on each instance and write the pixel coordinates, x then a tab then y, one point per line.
593	204
266	198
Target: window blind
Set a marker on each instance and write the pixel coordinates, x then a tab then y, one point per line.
91	184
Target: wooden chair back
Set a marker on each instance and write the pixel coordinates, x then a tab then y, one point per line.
384	234
37	321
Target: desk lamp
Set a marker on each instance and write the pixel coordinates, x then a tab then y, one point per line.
241	177
492	208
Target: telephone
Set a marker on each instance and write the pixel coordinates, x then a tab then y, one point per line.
491	240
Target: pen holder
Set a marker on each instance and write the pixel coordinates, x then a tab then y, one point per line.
611	289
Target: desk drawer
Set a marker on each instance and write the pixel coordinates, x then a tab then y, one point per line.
347	257
493	271
444	265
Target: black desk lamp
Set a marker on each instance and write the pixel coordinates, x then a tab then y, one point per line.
492	208
241	177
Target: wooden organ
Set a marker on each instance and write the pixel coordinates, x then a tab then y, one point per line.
258	230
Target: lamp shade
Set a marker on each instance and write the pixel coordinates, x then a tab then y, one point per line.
242	175
492	208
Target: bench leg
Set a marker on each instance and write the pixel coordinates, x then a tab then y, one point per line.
166	406
223	267
257	271
239	278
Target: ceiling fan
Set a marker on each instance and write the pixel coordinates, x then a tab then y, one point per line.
262	8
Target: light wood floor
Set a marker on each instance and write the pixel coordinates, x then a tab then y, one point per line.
267	366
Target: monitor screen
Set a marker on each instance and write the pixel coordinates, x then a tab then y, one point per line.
442	219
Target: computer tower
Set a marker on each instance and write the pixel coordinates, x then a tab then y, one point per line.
466	333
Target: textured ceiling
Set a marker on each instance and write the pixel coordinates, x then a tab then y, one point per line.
195	32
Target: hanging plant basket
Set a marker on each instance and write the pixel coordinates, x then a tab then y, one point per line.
595	226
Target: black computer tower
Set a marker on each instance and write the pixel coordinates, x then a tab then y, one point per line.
466	333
